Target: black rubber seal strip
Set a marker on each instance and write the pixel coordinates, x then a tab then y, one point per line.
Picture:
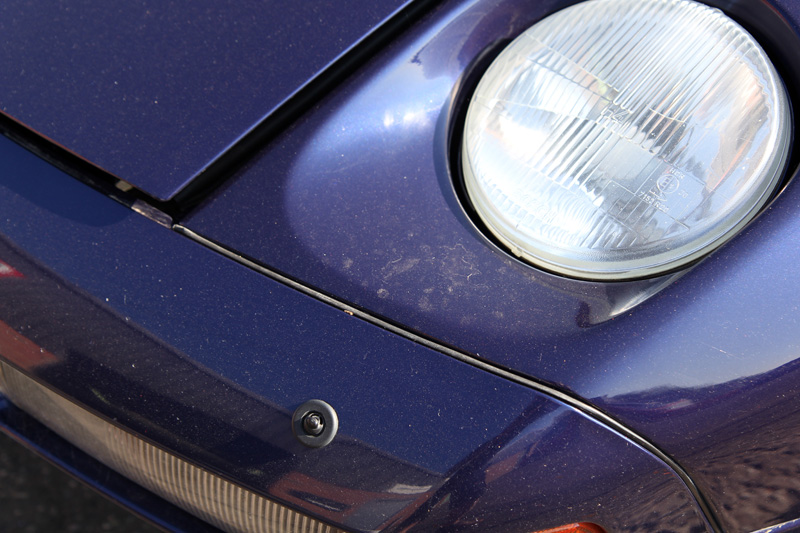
573	401
228	163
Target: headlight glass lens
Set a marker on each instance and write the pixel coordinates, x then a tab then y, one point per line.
620	139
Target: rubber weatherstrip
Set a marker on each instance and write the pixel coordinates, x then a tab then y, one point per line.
226	164
573	401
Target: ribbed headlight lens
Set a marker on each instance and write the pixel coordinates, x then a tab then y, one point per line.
619	139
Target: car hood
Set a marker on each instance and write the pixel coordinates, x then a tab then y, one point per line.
362	203
152	92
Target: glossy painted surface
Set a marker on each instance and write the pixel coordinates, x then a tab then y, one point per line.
154	91
356	200
208	358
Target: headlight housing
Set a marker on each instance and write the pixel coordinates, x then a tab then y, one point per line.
621	139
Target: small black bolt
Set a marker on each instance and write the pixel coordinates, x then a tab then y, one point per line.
313	423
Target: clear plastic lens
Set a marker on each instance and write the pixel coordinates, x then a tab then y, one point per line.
204	494
619	139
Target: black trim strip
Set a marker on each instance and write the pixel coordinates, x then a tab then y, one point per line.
70	163
511	375
231	161
227	164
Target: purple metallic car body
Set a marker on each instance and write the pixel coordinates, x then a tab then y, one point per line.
316	246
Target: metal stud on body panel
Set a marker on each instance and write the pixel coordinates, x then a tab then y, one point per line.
315	423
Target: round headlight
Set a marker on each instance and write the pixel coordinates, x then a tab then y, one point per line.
619	139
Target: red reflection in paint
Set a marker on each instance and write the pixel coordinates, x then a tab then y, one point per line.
7	271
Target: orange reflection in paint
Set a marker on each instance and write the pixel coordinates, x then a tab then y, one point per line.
582	527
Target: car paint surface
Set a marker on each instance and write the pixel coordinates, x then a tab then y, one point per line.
356	201
123	302
153	92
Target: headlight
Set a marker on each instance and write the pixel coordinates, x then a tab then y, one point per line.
619	139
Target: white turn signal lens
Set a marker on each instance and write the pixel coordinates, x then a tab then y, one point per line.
202	493
619	139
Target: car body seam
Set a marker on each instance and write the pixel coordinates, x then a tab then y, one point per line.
571	400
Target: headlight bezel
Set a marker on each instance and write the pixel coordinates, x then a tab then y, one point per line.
760	21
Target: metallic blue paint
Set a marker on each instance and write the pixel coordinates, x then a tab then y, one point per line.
209	359
356	200
171	339
154	91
